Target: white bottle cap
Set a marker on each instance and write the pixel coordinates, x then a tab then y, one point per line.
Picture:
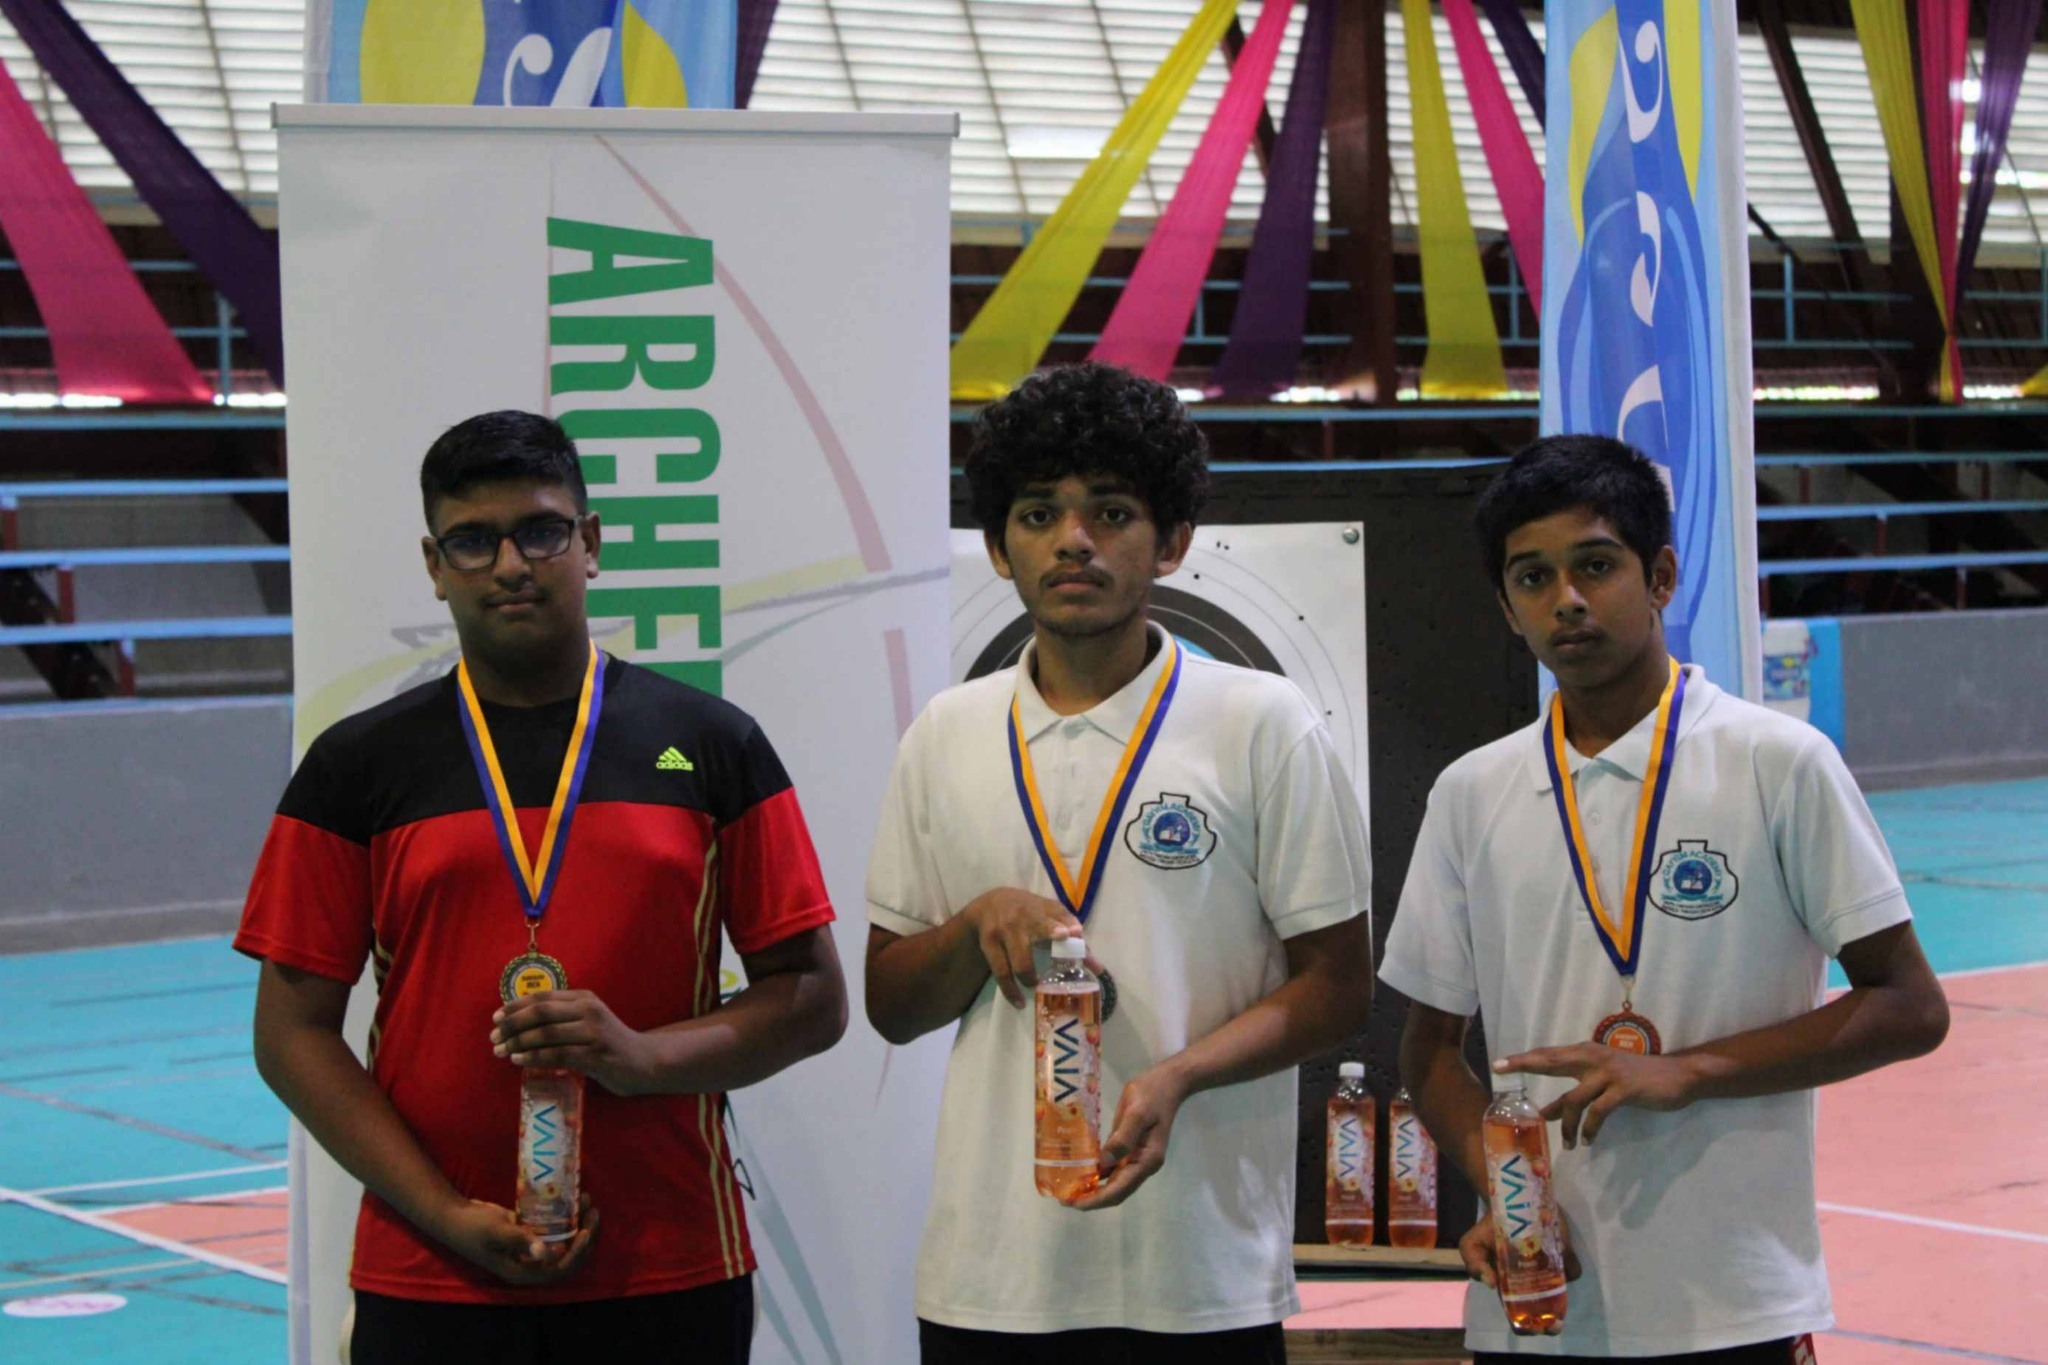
1351	1071
1069	949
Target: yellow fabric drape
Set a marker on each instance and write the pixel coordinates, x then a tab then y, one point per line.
2037	387
1888	54
1012	330
1592	78
1463	360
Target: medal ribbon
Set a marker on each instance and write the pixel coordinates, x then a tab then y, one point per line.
535	877
1622	939
1078	893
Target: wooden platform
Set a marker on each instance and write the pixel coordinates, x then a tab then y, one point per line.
1315	1258
1430	1345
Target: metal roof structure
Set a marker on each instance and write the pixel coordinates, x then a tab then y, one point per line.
1037	84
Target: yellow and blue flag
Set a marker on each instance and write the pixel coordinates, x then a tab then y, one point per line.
1646	288
565	53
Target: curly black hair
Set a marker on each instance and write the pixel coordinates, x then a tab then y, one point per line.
1615	480
1089	419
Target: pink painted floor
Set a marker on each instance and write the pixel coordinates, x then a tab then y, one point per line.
1934	1200
250	1228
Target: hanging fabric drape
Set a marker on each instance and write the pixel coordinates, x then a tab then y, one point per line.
1888	57
1012	330
1264	350
106	337
756	18
1144	331
1944	55
1508	155
2037	387
239	257
2009	28
1524	53
1463	359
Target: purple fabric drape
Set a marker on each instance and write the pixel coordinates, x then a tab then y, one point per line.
1524	53
756	18
2009	28
239	257
1264	350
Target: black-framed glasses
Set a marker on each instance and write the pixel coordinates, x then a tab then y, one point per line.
472	549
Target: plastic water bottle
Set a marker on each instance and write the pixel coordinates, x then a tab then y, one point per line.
1411	1177
550	1152
1348	1188
1528	1232
1069	1075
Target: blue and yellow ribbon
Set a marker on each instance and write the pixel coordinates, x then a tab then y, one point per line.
1078	893
1622	939
535	877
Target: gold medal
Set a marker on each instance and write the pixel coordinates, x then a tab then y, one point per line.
533	971
529	974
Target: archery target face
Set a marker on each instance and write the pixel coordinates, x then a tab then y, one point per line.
1287	599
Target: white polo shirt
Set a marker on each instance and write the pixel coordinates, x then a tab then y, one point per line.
1697	1229
1264	841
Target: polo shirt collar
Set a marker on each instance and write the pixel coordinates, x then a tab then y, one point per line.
1629	755
1115	716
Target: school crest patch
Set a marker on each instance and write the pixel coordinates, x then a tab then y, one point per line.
1170	833
1692	881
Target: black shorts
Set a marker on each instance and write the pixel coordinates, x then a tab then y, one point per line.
712	1324
940	1345
1778	1352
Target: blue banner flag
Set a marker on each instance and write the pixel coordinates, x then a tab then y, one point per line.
1646	301
567	53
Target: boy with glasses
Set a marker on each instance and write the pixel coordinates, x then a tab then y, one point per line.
656	816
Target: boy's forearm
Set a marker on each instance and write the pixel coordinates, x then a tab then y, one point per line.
320	1080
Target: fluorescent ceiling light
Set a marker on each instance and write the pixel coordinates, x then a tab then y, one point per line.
1029	142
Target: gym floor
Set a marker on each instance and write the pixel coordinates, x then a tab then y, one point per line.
142	1178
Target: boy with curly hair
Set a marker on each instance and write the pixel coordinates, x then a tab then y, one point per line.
1226	892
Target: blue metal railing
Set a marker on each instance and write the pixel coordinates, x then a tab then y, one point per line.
1786	297
132	556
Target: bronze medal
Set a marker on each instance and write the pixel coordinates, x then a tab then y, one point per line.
1627	1031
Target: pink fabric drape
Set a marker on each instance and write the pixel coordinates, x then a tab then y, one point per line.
106	336
1508	156
1145	330
1944	50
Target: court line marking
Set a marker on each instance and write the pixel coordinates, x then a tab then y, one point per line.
9	1286
1934	1347
1888	1216
108	1225
1988	971
223	1198
164	1179
129	1121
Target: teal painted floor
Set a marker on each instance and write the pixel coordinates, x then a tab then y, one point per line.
126	1081
1975	863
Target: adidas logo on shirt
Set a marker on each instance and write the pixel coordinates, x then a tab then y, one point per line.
672	761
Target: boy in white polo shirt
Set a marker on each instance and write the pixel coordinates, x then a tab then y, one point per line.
1230	905
1638	894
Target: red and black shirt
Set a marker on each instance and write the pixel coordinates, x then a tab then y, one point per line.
383	846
